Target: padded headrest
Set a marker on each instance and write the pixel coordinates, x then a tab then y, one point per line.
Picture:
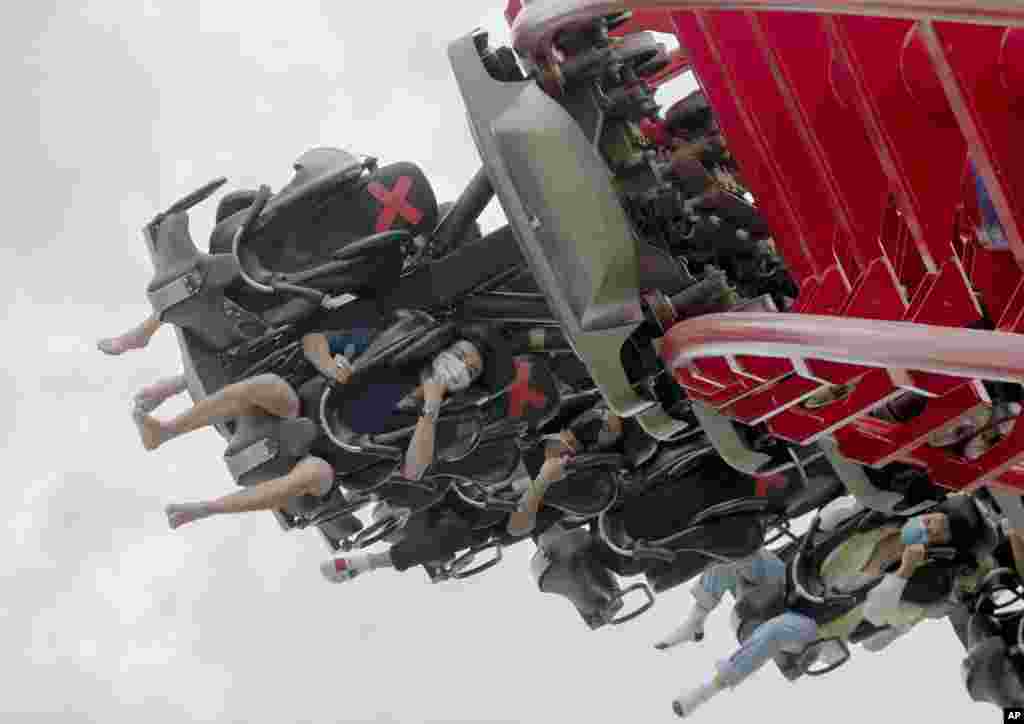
235	202
990	675
690	114
638	446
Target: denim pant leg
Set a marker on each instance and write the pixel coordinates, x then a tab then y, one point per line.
788	632
763	568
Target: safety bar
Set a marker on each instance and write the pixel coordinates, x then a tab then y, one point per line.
969	353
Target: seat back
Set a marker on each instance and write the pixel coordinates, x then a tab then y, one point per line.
266	446
490	463
326	205
990	675
566	566
584	494
659	270
189	287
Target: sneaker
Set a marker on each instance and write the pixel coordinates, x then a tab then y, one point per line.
955	432
831	394
688	703
691	631
340	570
1003	417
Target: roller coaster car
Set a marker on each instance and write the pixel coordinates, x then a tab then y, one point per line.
992	631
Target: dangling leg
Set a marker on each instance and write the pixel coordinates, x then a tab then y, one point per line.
311	476
787	632
339	570
761	569
135	338
425	540
268	393
152	396
707	594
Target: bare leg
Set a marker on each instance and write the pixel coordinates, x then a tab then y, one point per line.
152	396
267	393
310	476
135	338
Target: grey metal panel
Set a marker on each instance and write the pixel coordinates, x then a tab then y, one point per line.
197	389
557	193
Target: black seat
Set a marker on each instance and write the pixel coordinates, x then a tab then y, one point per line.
689	116
583	494
266	446
637	446
990	674
819	492
230	204
759	507
565	565
672	460
188	287
660	270
329	203
360	416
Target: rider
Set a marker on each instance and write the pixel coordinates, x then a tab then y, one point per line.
736	578
430	535
594	430
900	600
455	368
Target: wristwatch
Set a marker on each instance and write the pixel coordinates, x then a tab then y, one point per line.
431	410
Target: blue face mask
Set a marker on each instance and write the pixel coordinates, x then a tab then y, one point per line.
914	532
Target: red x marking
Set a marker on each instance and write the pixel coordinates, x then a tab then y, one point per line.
768	482
520	394
393	203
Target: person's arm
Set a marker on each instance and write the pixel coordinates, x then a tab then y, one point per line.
883	602
318	352
552	470
420	454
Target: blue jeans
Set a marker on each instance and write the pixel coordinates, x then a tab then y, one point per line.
762	568
788	632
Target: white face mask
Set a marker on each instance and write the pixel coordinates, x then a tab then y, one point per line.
452	372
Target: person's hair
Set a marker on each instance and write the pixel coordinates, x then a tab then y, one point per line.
966	525
592	431
463	348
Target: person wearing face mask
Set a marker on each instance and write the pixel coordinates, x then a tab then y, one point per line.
596	430
430	535
898	600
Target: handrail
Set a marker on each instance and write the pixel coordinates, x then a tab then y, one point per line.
537	23
970	353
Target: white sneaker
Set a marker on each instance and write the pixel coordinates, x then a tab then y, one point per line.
688	703
691	630
339	570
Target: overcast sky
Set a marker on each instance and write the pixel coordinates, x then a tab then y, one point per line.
115	109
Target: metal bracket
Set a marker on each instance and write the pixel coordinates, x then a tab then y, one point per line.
175	292
251	457
857	482
721	433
